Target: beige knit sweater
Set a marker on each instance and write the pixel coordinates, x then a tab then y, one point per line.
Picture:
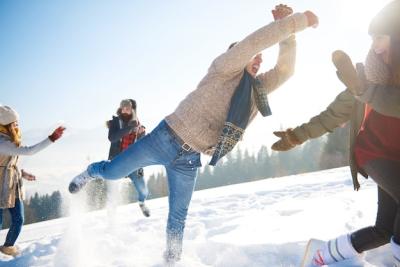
200	117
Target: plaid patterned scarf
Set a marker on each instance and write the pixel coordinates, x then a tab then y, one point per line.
239	114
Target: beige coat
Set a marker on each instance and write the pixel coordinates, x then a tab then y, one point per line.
10	176
200	117
10	181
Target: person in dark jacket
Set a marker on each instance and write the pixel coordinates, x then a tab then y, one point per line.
124	130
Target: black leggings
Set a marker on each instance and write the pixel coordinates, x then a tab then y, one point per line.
386	174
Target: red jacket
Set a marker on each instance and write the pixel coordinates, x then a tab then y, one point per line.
379	137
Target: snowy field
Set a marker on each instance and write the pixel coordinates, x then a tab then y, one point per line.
264	223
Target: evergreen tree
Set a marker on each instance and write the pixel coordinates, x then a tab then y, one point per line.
237	167
55	204
336	150
264	163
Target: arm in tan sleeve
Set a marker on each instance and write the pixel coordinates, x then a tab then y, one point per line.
236	58
336	114
284	68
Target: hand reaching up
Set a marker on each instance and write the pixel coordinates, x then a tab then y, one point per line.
57	134
353	78
281	11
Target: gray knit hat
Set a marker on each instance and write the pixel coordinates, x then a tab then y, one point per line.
7	115
125	103
387	21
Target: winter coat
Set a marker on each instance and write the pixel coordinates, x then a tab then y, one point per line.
10	176
346	107
199	118
117	128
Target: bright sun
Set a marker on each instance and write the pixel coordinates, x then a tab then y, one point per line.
360	12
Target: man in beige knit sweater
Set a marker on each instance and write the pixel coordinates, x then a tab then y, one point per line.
194	127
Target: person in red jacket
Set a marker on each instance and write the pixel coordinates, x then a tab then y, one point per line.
375	138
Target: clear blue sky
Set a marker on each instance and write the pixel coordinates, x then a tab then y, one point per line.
73	61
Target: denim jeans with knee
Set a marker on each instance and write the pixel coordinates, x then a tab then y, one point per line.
17	220
160	147
140	185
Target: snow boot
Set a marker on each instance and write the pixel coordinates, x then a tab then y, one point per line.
170	257
10	250
79	181
335	250
145	209
396	253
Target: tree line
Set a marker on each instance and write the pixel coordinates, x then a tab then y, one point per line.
39	208
239	166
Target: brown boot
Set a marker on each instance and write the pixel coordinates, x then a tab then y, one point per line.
9	250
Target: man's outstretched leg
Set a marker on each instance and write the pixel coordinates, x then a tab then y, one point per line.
142	153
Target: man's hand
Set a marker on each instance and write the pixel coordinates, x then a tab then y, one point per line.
281	11
312	19
57	134
353	79
288	140
28	176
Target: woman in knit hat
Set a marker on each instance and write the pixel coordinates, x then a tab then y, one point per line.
371	103
11	193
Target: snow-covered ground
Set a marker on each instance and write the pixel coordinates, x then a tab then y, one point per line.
263	223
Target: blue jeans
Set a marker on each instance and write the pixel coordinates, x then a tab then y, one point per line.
140	185
17	220
160	147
